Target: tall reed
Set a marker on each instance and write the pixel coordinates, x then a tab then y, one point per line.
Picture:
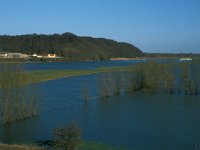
154	78
168	81
190	85
85	92
106	85
18	100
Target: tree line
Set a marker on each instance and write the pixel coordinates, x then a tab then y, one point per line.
68	45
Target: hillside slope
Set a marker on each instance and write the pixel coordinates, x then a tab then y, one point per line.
68	45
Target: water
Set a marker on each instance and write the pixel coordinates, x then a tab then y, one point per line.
140	121
85	65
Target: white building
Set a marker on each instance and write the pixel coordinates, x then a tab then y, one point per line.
12	55
51	56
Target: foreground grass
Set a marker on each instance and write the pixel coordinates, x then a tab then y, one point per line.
82	146
98	146
18	147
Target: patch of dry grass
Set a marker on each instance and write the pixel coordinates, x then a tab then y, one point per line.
18	147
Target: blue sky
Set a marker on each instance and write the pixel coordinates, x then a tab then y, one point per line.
151	25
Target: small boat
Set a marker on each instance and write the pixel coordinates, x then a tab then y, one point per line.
185	59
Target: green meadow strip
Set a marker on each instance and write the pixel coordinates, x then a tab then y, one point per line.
46	75
41	76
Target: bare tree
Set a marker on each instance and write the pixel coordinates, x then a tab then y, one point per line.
68	137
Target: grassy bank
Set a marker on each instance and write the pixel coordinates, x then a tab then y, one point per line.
82	146
40	76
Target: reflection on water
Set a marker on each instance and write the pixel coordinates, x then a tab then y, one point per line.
85	65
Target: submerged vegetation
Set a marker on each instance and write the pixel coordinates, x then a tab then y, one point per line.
68	137
18	100
152	77
110	83
191	86
85	92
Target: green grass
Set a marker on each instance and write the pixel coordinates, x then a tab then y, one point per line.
41	76
98	146
18	147
82	146
46	75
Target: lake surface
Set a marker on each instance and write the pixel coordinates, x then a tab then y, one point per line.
140	121
84	65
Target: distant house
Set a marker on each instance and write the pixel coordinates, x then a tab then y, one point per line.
3	54
37	56
34	55
51	56
47	56
16	55
12	55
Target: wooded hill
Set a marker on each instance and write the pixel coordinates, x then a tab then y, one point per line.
68	45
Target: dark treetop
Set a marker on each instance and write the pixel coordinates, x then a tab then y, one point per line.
68	45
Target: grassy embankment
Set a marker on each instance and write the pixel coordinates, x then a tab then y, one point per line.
46	75
41	76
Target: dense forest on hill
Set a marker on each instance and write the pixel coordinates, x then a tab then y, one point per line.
68	45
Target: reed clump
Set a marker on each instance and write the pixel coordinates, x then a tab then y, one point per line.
117	82
191	86
18	101
168	83
137	79
106	83
152	77
68	137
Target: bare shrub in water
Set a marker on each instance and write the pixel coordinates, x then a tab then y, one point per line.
117	82
68	137
17	99
106	85
85	92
